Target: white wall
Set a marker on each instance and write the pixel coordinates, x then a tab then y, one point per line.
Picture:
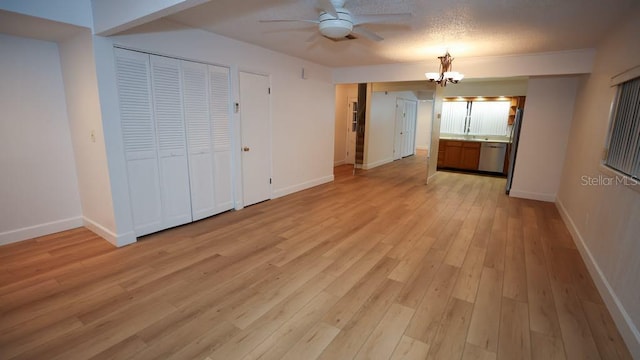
302	110
38	185
543	64
432	166
74	12
423	124
605	219
380	133
548	113
85	121
343	120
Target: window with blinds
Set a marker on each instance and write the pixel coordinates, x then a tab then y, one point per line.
475	118
624	142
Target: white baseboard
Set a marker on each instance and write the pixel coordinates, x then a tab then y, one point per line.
299	187
430	178
532	195
422	148
115	239
377	163
338	163
627	328
31	232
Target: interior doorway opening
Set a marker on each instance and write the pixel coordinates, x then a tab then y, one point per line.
395	122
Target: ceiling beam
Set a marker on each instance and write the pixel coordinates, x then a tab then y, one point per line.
573	62
113	16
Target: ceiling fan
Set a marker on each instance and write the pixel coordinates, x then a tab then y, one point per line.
337	23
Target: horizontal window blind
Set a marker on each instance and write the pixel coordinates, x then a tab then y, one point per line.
453	117
475	118
624	143
489	118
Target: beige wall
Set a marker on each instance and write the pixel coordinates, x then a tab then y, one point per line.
605	220
543	141
432	165
423	124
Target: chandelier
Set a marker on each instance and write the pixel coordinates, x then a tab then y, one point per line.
446	73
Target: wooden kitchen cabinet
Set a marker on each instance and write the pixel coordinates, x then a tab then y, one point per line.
463	155
470	157
452	154
441	152
517	102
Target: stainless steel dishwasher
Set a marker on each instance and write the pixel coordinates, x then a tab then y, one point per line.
492	157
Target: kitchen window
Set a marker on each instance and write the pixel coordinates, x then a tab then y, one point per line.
475	117
623	152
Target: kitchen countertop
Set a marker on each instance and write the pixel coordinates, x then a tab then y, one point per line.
477	138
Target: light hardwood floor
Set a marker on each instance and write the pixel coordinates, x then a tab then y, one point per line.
373	266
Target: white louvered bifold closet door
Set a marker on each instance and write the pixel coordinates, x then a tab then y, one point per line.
220	108
199	139
166	86
138	130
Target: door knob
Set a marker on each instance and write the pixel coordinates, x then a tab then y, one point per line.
246	148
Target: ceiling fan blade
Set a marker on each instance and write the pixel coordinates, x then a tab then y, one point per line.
290	20
327	6
381	18
361	30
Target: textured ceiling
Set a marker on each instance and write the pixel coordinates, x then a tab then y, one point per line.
466	28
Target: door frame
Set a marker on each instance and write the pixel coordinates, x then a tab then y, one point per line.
397	129
412	124
348	132
238	130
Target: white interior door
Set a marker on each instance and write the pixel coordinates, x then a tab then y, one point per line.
139	138
398	137
409	131
220	108
352	122
172	145
199	142
256	138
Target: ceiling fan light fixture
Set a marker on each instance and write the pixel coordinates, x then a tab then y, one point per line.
446	73
336	22
336	28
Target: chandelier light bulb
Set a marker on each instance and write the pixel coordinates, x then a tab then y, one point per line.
432	76
446	73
